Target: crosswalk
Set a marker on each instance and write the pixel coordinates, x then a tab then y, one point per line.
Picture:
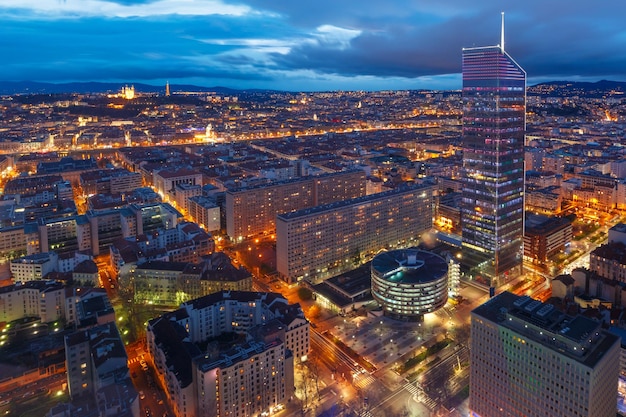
421	396
364	381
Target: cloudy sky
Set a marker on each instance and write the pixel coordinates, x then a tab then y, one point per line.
304	45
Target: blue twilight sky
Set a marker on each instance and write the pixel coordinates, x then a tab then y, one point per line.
305	45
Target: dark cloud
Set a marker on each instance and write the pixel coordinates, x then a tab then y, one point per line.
395	40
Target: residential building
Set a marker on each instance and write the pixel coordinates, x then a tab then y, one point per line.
182	194
202	382
267	383
43	299
166	180
205	212
110	181
252	210
172	283
96	364
34	267
322	241
609	261
617	233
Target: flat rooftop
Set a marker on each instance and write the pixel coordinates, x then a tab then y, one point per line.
577	337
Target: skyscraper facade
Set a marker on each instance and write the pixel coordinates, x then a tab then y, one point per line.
494	124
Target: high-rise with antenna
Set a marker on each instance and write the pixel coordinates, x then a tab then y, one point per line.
502	34
494	125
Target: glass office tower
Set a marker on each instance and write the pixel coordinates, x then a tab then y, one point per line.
494	124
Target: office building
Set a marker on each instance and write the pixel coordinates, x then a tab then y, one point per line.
529	359
408	283
492	213
545	236
323	241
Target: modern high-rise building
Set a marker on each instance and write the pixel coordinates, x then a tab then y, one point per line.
494	124
529	359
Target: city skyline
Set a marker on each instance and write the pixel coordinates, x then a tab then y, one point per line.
297	47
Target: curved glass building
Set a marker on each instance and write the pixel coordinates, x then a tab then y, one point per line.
409	283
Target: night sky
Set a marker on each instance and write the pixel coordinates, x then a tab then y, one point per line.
305	45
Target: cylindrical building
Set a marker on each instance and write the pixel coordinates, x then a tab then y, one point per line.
409	283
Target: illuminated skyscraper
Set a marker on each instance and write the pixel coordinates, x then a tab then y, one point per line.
494	123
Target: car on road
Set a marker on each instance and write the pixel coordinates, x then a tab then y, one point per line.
142	395
148	412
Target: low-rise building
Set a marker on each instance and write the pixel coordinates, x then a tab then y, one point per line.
205	212
97	369
545	236
34	267
43	299
609	261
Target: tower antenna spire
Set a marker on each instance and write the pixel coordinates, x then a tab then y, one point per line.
502	34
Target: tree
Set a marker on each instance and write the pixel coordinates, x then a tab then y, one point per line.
305	294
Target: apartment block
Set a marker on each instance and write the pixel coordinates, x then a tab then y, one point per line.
110	181
544	200
34	267
166	180
172	283
252	210
247	378
322	241
96	363
205	212
182	194
43	299
609	261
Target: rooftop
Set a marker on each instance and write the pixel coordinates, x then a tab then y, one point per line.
346	203
577	337
409	266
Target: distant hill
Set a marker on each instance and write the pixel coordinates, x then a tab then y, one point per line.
570	88
34	87
553	88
